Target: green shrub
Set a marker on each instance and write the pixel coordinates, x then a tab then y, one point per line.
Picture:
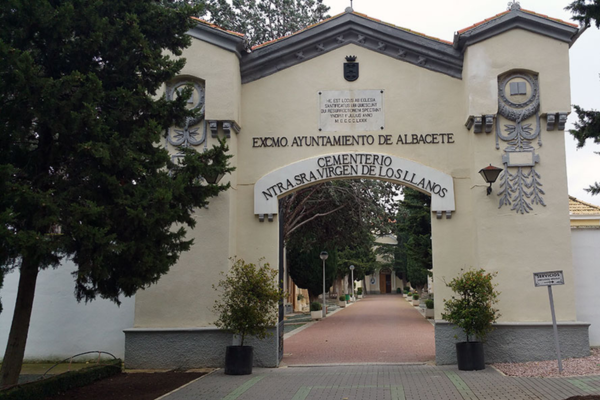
472	310
316	306
61	383
342	298
359	291
406	289
415	296
429	304
249	299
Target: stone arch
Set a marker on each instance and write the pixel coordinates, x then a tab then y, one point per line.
352	165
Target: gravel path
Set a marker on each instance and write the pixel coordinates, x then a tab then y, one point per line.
571	367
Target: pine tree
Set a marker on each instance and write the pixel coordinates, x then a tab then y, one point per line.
588	124
265	20
82	174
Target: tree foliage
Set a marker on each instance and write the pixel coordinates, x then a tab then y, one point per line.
81	174
413	233
249	298
265	20
340	217
588	123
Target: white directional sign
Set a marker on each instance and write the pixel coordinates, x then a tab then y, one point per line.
548	278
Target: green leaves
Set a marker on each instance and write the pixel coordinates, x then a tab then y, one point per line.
249	299
472	310
265	20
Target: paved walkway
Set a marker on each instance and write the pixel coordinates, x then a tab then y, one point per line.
376	329
381	382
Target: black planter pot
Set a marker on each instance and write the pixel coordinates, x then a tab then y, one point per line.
238	360
470	356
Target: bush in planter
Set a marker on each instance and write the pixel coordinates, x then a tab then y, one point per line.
359	291
316	306
342	298
247	307
406	289
473	312
429	304
415	296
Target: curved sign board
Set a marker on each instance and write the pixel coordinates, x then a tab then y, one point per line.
307	172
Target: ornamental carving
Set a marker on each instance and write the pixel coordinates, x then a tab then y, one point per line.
519	103
187	134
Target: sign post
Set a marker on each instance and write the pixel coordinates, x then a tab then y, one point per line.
550	279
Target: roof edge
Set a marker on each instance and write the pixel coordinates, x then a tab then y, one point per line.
213	34
516	18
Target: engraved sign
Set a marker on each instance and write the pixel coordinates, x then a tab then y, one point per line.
351	110
548	278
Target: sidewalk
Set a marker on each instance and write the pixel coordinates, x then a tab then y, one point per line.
381	382
377	329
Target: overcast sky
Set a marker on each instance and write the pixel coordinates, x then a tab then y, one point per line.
441	18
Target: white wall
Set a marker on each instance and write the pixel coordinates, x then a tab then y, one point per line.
61	327
586	263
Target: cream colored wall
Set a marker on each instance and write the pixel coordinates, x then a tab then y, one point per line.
184	297
221	71
416	100
512	244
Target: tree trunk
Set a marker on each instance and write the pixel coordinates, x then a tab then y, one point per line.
17	338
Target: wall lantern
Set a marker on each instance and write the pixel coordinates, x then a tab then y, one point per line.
213	178
490	174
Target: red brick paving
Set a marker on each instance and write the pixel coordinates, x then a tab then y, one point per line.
376	329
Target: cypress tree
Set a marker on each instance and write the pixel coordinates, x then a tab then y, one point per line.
82	173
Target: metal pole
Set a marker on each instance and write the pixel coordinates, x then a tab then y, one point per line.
555	329
352	284
324	310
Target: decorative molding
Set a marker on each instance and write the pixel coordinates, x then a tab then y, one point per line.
228	126
520	188
489	122
515	19
187	135
355	29
214	128
481	123
562	120
550	122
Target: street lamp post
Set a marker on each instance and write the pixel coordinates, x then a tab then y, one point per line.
352	272
324	256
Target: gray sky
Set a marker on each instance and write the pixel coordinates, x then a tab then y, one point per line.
441	18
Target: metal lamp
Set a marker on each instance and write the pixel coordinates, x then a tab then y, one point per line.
490	174
324	256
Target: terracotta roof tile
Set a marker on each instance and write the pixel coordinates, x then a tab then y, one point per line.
355	13
578	207
204	22
508	11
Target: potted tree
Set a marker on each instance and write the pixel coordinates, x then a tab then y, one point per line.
342	301
247	307
429	313
415	299
359	293
315	310
472	311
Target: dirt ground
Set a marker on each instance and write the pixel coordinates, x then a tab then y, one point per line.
130	386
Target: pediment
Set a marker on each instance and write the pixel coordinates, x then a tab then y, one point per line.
352	28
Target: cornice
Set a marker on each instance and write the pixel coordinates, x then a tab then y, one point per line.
516	19
351	28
